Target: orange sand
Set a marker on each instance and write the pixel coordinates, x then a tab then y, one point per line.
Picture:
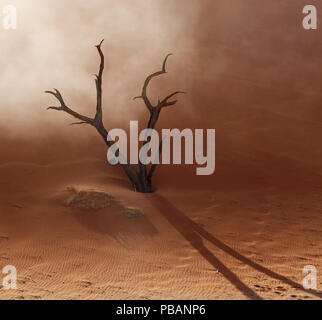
221	240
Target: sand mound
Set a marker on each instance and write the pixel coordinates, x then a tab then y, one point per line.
90	199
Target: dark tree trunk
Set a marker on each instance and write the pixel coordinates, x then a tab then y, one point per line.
144	186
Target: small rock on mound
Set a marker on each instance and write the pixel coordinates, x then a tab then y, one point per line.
133	212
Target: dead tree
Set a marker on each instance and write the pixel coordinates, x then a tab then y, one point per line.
141	177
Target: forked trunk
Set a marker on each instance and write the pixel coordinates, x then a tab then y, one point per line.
140	182
141	179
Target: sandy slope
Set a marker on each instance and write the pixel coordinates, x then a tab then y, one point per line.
250	71
219	241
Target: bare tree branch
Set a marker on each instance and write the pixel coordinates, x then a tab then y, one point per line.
166	103
77	123
154	116
99	81
97	121
147	82
63	107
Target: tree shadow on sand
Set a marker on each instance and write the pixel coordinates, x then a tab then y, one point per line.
195	234
102	213
114	223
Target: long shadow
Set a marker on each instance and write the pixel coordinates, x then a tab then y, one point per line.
186	228
194	233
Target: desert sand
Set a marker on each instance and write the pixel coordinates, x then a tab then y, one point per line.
249	69
236	235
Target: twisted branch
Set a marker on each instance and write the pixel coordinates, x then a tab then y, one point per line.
154	114
164	102
97	121
99	81
63	107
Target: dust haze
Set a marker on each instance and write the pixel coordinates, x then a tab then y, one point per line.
249	70
53	46
241	63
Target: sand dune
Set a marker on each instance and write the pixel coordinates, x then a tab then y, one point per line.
219	241
249	70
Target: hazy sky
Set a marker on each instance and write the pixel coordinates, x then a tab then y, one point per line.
53	46
218	46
